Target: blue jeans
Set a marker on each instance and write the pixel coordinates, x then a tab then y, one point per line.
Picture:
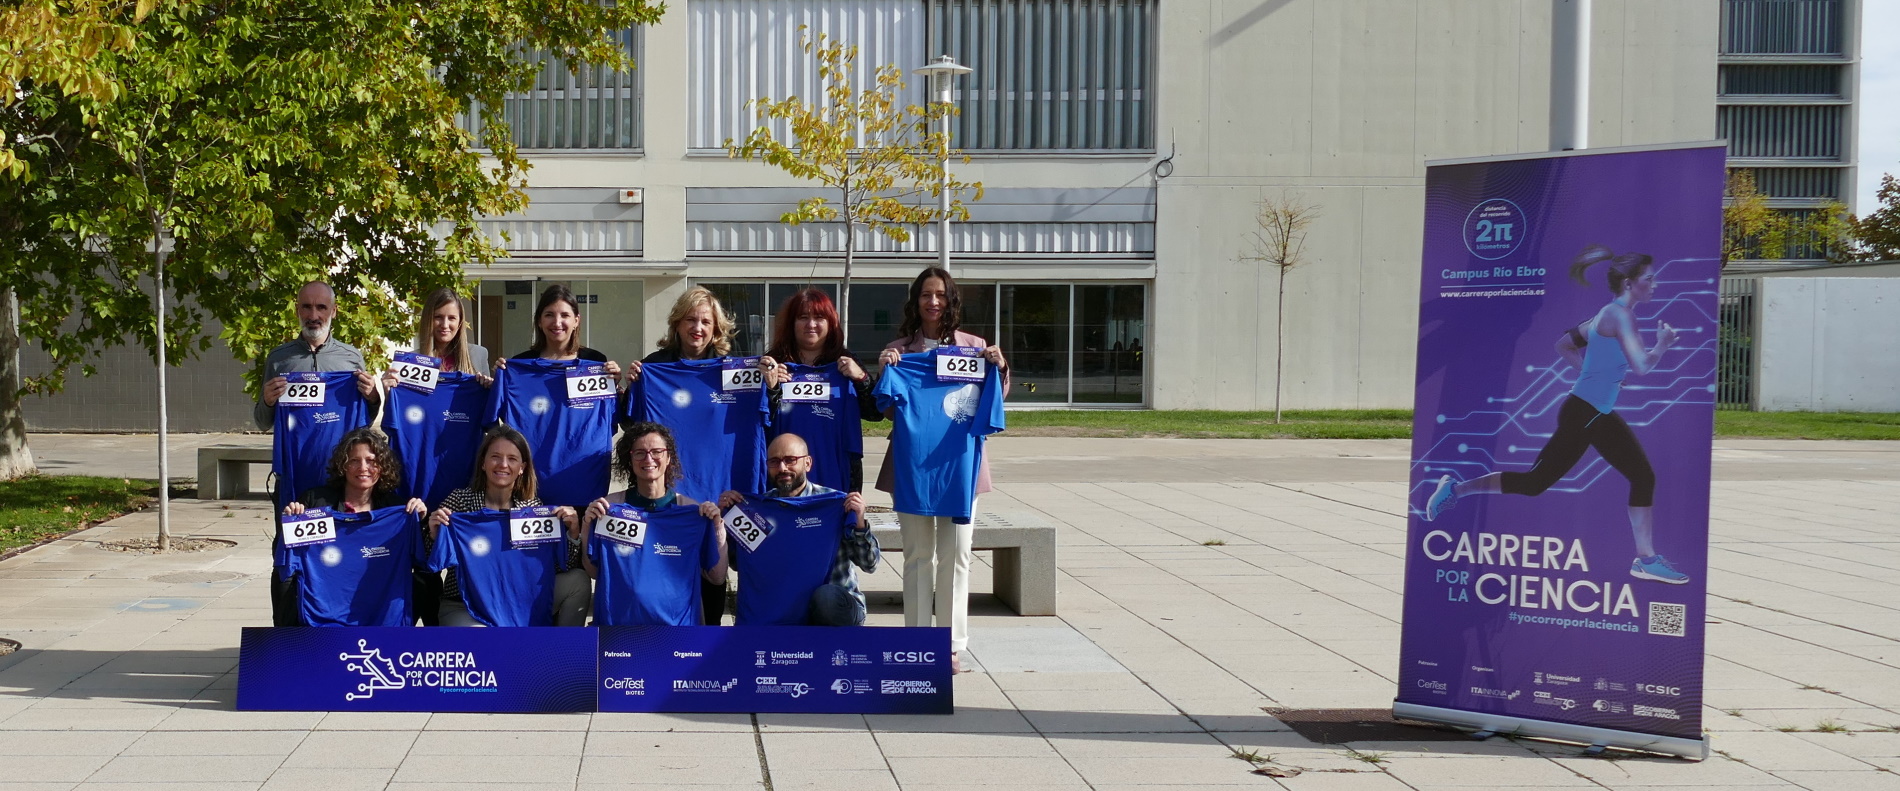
833	605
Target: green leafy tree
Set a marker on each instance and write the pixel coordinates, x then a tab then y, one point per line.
1280	242
1752	228
252	145
1876	237
877	158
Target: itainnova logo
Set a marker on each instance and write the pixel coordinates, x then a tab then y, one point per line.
378	673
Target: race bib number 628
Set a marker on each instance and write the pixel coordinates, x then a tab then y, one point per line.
537	525
306	389
622	525
314	526
416	371
745	528
741	373
961	364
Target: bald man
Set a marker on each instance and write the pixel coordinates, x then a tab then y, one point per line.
839	602
313	350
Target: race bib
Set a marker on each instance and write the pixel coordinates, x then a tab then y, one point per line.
741	373
961	364
588	383
417	372
534	525
745	526
807	387
314	526
306	390
622	524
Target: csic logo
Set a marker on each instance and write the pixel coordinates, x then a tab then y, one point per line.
1658	689
910	657
378	673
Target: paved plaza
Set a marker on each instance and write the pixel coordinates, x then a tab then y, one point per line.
1202	583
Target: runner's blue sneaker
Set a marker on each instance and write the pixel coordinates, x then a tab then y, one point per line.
1442	499
1656	567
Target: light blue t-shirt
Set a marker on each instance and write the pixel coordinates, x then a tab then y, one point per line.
937	438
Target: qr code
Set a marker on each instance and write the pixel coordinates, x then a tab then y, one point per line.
1668	619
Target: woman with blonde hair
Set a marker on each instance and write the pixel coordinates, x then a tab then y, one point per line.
442	331
697	328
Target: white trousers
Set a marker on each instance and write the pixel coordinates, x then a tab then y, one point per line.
937	574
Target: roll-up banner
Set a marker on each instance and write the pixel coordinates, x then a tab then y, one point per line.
1557	548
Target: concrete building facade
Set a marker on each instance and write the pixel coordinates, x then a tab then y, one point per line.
1125	146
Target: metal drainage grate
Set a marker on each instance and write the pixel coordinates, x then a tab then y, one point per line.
1340	726
8	646
189	577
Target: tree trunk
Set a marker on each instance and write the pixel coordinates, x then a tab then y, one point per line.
850	256
1279	343
16	459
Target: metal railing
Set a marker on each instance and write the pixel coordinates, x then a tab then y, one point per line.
1735	346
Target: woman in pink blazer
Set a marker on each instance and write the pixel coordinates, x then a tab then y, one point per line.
932	316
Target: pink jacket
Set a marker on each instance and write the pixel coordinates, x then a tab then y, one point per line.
913	345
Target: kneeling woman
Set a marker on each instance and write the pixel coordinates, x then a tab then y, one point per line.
651	574
504	480
363	475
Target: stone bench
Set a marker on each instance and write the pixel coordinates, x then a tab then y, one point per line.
224	471
1024	560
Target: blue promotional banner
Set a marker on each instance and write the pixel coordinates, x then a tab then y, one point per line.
521	669
791	669
798	669
1557	548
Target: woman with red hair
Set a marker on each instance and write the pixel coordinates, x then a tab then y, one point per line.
818	390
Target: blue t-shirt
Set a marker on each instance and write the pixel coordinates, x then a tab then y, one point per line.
503	585
721	434
656	583
571	443
831	428
305	436
937	437
363	577
436	435
776	580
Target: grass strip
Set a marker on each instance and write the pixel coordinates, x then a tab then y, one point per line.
1386	424
39	507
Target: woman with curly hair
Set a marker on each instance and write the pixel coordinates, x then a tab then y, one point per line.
364	473
648	456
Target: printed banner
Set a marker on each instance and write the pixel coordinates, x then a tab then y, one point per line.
798	669
1558	539
521	669
793	669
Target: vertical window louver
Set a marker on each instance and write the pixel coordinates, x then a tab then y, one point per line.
594	108
1051	75
1781	27
1781	131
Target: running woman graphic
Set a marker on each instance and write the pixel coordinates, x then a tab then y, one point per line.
1605	349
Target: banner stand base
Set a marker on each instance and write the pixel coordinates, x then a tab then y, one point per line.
1692	749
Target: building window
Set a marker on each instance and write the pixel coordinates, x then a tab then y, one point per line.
1776	131
742	50
1069	344
1051	75
1781	27
594	108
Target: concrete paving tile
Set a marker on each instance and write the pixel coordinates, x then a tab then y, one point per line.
182	743
55	743
186	769
436	785
1663	772
221	718
1843	781
673	770
1422	771
1079	747
1155	770
648	744
1020	772
1779	751
345	749
524	768
220	785
116	719
59	786
509	722
823	751
332	778
373	721
1110	722
770	723
495	743
683	723
1344	781
821	780
52	768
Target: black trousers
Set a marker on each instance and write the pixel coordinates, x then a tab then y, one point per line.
712	602
1581	427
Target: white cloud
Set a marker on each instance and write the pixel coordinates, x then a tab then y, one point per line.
1879	98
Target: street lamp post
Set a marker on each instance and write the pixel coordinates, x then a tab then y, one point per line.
942	72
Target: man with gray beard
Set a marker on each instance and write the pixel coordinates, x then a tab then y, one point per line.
313	350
